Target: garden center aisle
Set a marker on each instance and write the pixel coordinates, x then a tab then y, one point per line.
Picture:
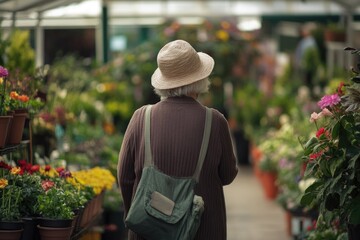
250	216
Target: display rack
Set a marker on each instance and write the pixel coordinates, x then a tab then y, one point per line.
24	146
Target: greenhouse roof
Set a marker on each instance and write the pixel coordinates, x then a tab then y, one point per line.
87	12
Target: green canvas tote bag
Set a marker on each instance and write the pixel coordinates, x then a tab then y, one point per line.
165	207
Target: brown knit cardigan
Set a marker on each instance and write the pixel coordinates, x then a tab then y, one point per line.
177	126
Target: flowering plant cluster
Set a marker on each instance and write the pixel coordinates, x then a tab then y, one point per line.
332	156
13	99
3	100
10	194
33	190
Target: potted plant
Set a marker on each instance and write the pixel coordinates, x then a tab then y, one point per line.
4	118
332	158
56	215
334	32
11	226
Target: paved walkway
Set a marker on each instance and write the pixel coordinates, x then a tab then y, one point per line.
250	216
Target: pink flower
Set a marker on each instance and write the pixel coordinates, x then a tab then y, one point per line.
329	101
3	72
47	184
315	116
326	112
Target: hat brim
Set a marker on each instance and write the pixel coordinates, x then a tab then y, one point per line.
159	81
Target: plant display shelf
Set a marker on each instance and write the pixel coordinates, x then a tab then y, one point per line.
77	235
22	146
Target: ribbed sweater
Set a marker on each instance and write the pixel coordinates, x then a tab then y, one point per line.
177	126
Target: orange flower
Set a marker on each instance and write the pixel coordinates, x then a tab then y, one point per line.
3	183
23	98
14	95
15	170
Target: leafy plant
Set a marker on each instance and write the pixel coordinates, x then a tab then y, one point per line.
53	204
10	194
333	155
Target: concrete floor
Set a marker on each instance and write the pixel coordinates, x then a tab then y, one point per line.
250	216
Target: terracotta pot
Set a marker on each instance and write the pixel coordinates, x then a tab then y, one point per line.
332	36
51	233
4	126
268	180
55	223
10	234
11	225
16	128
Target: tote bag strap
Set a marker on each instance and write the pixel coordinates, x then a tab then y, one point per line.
204	144
148	154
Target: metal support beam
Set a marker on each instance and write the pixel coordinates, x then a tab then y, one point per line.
104	28
39	42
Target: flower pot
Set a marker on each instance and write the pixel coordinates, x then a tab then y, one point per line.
353	231
333	36
55	223
55	233
31	232
4	126
268	180
10	234
16	128
11	225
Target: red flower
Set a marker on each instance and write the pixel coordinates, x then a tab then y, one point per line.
339	89
47	168
22	163
34	168
60	169
320	132
315	156
47	184
4	165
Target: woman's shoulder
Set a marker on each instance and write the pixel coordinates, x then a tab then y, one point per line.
218	116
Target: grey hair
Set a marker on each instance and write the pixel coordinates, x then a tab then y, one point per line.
201	86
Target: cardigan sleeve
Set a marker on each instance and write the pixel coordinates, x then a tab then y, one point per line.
227	167
125	170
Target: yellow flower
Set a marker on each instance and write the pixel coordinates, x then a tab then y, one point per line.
15	170
97	178
3	183
222	35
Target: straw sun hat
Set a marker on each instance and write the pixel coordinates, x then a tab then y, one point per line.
179	65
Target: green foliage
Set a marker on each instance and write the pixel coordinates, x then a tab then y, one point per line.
334	160
31	188
10	197
250	108
19	54
53	204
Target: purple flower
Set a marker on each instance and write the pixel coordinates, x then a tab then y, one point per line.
3	72
329	101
